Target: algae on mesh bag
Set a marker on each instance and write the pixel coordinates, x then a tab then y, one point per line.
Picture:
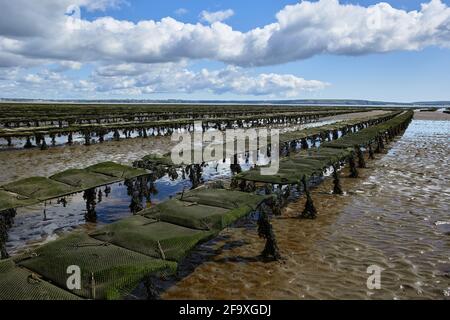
107	271
116	170
40	188
223	198
83	179
153	238
20	284
9	200
188	214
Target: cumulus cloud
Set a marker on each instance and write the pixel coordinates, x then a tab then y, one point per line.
18	82
24	18
144	79
63	66
53	33
170	78
93	5
42	30
173	77
216	16
181	11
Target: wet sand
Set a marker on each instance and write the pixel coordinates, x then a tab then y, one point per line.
432	115
394	216
357	115
18	164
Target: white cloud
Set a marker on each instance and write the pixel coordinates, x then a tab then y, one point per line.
67	65
217	16
172	78
40	33
42	84
24	18
41	30
181	11
142	79
102	5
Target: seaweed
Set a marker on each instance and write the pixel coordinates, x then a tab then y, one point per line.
265	231
310	211
337	189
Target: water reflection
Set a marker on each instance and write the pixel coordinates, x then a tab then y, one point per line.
90	197
37	224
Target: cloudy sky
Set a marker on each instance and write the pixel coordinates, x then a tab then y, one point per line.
398	50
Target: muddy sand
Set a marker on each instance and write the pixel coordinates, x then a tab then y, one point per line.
431	115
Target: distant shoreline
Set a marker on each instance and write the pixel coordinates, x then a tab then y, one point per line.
313	102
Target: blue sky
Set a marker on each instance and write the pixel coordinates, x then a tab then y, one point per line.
248	14
412	68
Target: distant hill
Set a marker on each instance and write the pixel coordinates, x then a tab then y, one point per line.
342	102
433	103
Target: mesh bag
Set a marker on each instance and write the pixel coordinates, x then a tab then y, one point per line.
322	157
196	216
292	169
357	139
368	135
83	179
223	198
188	214
304	133
19	284
284	176
307	163
40	188
116	170
107	271
155	159
10	200
150	237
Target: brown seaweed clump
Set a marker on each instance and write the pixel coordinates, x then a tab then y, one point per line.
361	160
352	164
310	211
6	221
265	231
337	189
371	153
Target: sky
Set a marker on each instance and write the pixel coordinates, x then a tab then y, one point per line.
396	50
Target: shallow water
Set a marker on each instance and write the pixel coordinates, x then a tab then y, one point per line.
44	222
396	216
18	164
37	224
